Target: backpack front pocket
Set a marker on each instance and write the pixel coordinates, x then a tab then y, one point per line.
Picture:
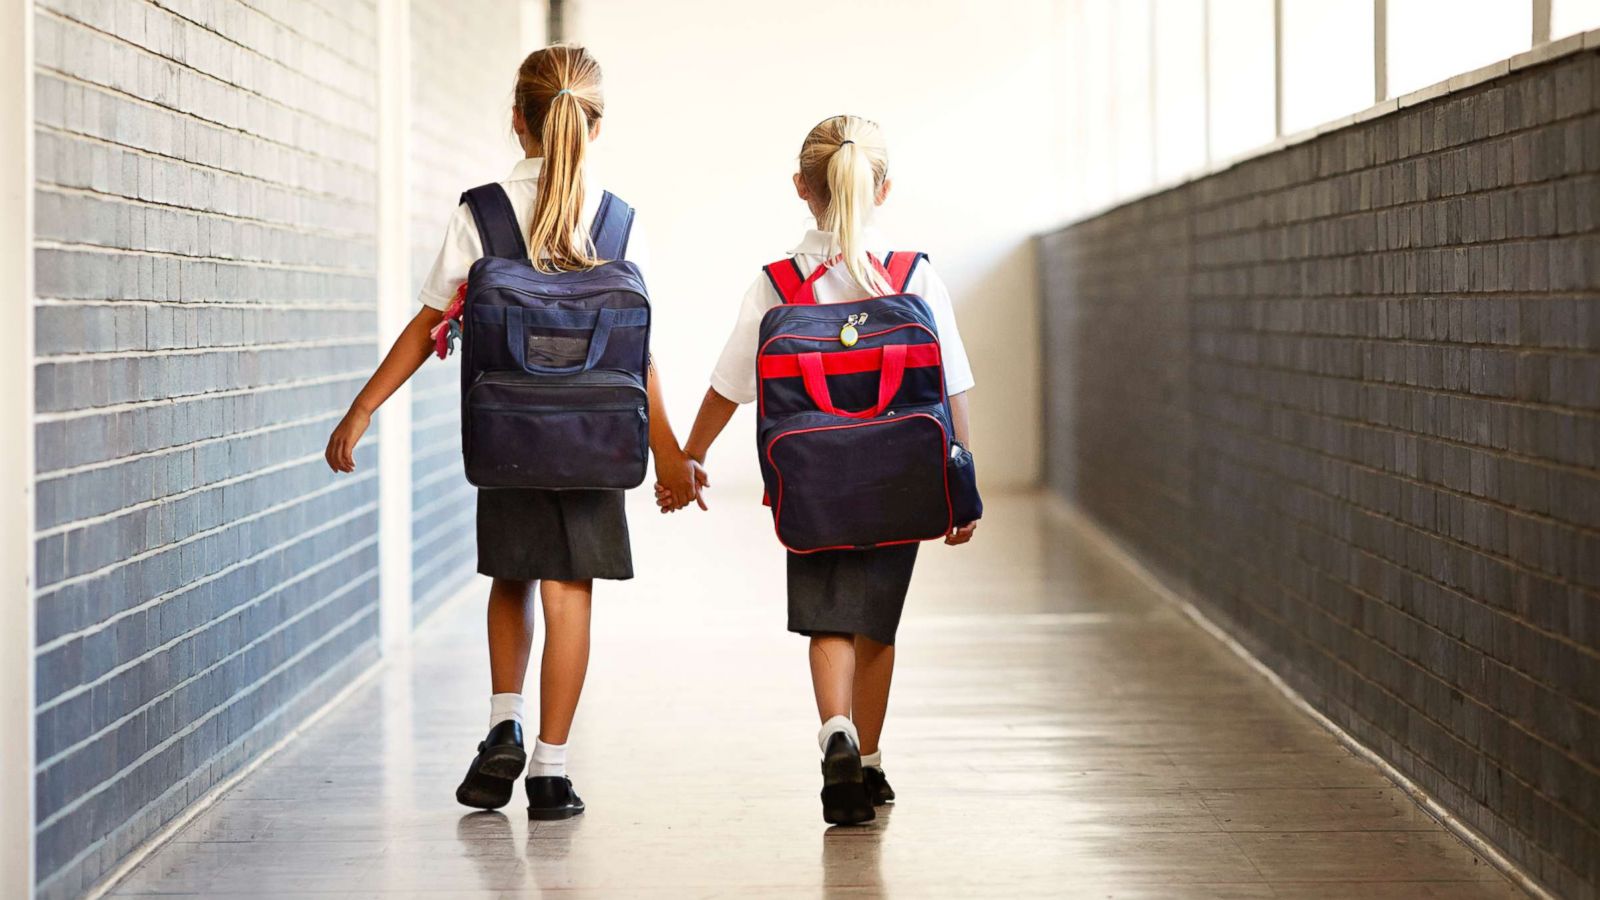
838	483
560	433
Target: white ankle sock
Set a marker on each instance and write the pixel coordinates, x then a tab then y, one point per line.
503	707
837	723
548	759
873	759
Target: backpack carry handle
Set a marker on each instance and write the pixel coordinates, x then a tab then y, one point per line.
601	321
890	375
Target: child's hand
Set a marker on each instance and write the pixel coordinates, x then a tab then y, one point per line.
961	535
342	443
678	482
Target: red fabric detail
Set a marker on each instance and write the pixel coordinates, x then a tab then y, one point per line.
785	277
889	379
805	293
900	266
848	362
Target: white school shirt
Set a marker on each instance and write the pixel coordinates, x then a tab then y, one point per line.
735	374
462	247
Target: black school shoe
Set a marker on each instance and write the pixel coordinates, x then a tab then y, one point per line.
877	785
845	800
552	797
493	775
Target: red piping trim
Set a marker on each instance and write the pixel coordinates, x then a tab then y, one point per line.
777	507
848	362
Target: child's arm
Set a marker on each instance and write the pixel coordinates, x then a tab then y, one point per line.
958	418
715	411
410	349
678	478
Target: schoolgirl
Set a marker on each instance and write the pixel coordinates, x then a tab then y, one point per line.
555	541
847	601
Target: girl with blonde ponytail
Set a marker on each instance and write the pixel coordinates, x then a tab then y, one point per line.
848	602
555	541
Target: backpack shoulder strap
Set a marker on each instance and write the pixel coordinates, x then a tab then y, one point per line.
901	265
786	278
613	223
497	222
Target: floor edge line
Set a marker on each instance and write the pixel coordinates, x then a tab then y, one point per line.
1462	831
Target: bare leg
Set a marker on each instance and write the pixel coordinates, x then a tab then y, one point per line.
833	673
566	655
874	669
510	634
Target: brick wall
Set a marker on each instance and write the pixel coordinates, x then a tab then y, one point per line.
460	138
205	272
1346	396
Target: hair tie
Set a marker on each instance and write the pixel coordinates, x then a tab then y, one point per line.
842	143
560	92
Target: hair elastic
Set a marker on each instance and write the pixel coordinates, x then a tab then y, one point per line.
842	143
560	92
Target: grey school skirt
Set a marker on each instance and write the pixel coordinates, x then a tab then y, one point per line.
525	535
850	591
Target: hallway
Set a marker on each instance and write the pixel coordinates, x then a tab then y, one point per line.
1058	729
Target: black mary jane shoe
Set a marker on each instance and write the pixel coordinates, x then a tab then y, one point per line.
845	800
493	775
877	785
551	797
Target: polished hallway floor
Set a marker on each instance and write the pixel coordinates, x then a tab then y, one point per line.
1057	729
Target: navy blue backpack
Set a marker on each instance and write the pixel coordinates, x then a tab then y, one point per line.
853	424
553	366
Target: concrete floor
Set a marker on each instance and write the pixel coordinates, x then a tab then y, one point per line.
1057	729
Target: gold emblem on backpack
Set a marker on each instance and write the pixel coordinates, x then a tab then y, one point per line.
848	335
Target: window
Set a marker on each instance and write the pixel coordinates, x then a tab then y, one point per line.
1327	60
1243	88
1431	40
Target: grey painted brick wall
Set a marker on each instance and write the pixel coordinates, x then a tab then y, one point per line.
205	225
1346	396
460	138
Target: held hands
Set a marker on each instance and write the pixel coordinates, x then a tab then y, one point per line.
679	481
342	443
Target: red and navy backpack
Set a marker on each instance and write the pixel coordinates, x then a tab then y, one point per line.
853	423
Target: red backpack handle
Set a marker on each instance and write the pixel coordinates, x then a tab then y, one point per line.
890	375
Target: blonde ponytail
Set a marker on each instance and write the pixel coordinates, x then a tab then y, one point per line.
843	160
559	88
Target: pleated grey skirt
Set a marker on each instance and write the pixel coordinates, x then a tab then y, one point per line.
526	535
850	591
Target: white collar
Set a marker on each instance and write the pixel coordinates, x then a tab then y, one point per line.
527	169
821	243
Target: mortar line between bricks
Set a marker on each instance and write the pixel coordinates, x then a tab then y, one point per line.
328	703
339	521
70	471
61	359
356	67
44	591
361	238
212	713
1513	455
369	66
285	187
1199	237
1198	206
1392	253
159	402
102	518
263	264
244	305
1357	673
1441	343
227	86
1574	411
1423	576
343	590
181	115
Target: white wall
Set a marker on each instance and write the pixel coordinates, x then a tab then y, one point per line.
707	102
